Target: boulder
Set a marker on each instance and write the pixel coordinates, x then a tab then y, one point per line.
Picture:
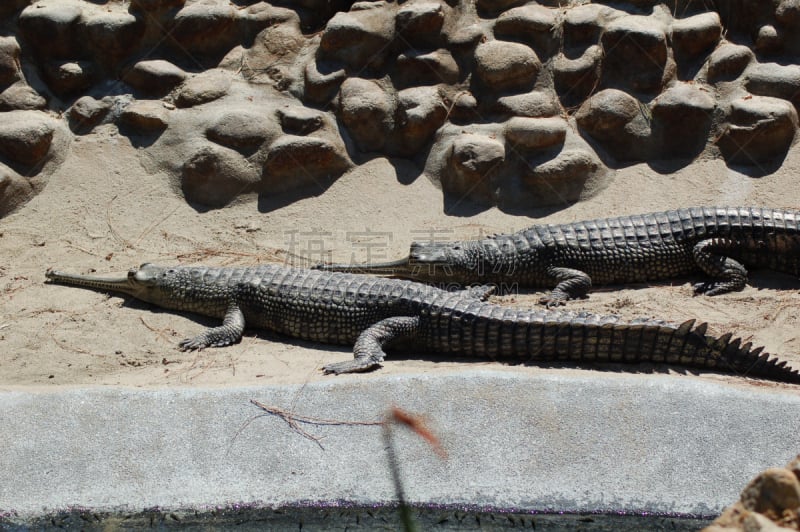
420	23
760	130
49	27
359	38
322	81
506	66
575	79
155	77
556	181
533	104
205	28
531	134
415	68
299	120
420	113
728	62
636	53
531	24
367	111
203	88
145	117
25	138
214	176
9	61
241	131
111	35
691	36
69	77
86	113
296	162
473	159
682	118
15	190
772	79
614	119
21	97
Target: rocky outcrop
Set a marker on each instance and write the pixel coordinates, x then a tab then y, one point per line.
770	502
258	97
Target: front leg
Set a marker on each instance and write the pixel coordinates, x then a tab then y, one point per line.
228	333
572	284
728	274
368	349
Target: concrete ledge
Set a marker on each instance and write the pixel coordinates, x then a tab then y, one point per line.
599	444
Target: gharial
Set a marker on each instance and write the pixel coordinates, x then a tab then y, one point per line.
375	312
718	241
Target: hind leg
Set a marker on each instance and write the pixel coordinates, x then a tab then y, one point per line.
728	275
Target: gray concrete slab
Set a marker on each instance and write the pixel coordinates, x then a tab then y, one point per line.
596	443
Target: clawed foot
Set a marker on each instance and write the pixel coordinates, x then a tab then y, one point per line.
198	343
552	301
710	288
351	366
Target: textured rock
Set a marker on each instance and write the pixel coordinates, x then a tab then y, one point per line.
214	176
111	35
575	79
772	492
296	162
322	81
25	138
15	190
471	162
86	113
533	104
583	24
204	27
145	117
154	77
69	77
788	13
9	61
530	24
636	53
682	118
768	40
420	113
298	120
359	38
555	182
367	112
760	130
241	131
203	88
416	68
503	65
21	96
614	119
728	62
419	24
772	79
56	20
693	35
535	133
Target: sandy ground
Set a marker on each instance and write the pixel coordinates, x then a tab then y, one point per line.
102	211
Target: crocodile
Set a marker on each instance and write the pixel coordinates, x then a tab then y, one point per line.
372	313
721	242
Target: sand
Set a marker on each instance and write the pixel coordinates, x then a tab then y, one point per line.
105	210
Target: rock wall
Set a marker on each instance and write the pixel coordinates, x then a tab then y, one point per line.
502	102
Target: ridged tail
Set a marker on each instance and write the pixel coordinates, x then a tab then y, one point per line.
497	332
